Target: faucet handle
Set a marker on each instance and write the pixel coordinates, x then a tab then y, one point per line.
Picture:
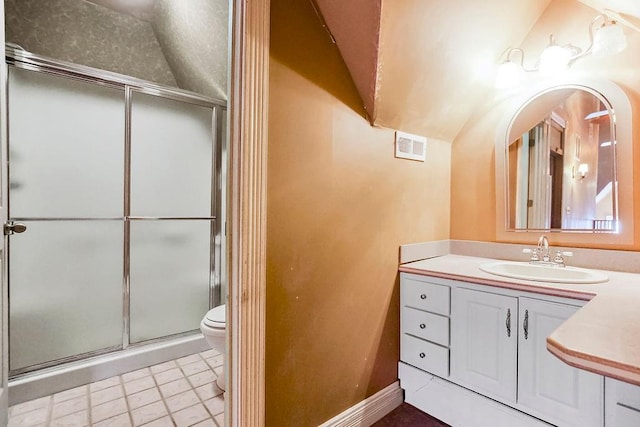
559	258
534	254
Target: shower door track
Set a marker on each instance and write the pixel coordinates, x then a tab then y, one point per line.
33	62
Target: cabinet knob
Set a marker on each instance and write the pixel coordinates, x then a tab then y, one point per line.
422	326
423	296
422	355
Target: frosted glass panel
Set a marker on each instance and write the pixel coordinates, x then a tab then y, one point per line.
65	289
171	158
170	269
66	147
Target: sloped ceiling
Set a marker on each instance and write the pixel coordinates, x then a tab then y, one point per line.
424	66
355	25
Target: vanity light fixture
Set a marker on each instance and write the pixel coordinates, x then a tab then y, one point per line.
606	38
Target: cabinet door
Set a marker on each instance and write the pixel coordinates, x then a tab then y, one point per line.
547	387
483	346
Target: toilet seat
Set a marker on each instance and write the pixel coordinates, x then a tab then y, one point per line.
216	317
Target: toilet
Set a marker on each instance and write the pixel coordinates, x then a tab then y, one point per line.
213	326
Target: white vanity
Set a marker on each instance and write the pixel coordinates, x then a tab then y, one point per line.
474	348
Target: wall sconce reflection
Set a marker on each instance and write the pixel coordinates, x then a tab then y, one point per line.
583	169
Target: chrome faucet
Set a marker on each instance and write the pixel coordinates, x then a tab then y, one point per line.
542	255
543	248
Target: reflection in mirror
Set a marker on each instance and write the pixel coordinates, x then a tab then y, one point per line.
561	163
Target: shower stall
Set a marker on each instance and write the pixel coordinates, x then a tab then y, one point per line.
115	192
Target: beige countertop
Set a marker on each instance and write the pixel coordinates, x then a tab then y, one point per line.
602	337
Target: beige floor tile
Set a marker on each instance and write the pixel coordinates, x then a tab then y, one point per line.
206	423
30	418
219	419
148	413
216	361
174	387
143	398
209	353
208	391
105	395
30	405
194	368
190	416
188	359
138	385
122	420
182	400
100	385
162	422
215	405
134	375
163	366
108	410
202	378
69	406
168	376
77	419
71	393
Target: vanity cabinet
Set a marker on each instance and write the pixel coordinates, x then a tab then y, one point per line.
498	351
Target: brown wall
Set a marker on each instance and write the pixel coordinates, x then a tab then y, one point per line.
339	205
473	197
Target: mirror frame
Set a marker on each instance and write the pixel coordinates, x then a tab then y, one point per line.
623	124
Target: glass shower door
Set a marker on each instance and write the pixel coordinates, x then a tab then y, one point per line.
172	216
66	184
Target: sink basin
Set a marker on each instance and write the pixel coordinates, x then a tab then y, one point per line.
543	273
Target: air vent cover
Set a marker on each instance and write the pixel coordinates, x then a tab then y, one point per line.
412	147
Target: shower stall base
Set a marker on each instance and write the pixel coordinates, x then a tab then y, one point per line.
74	374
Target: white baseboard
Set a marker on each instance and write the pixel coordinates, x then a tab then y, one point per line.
370	410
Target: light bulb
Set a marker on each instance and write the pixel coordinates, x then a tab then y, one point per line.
554	59
509	75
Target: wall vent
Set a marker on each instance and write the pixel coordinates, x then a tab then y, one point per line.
410	146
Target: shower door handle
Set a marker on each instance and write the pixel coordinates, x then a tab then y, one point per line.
14	227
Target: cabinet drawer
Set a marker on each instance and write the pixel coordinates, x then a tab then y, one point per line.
429	326
426	296
425	355
625	393
626	416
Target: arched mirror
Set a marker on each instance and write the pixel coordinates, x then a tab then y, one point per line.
561	163
564	164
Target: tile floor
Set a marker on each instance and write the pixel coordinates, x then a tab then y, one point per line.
178	393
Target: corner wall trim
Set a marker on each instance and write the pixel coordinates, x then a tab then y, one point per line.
247	210
370	410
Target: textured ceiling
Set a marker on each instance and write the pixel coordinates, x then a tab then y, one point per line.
425	66
141	9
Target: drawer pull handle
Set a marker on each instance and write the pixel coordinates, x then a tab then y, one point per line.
508	322
423	296
526	324
422	326
422	355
